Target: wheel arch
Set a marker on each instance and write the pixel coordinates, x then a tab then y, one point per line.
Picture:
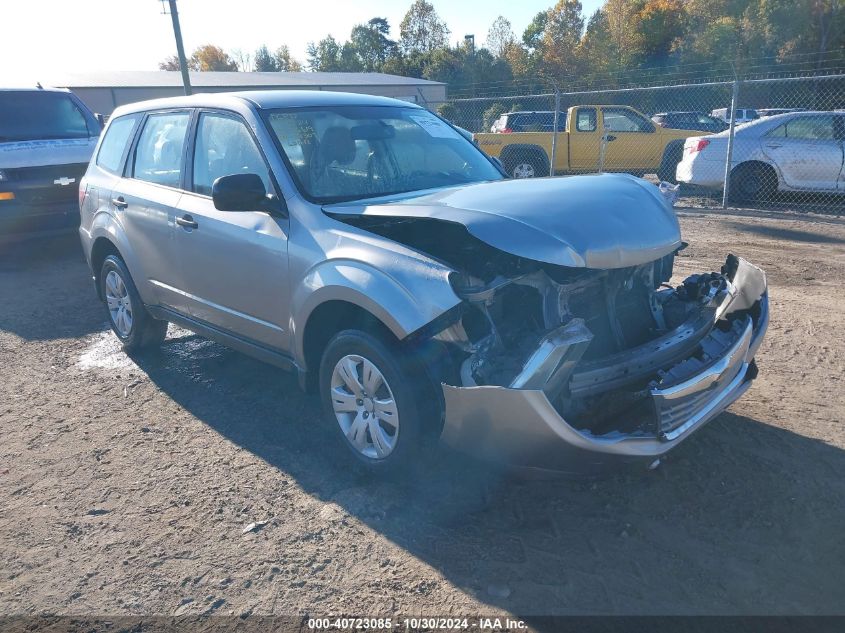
669	152
360	293
326	320
511	153
754	162
101	248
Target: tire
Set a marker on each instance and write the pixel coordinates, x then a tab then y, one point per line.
672	155
752	182
378	436
129	319
527	165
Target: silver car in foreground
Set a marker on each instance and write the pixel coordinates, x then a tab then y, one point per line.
366	244
797	151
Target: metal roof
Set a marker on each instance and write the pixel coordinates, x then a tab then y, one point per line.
165	78
265	99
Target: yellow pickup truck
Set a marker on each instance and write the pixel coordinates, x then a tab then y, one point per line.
590	138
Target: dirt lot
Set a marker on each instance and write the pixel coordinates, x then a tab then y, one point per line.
125	489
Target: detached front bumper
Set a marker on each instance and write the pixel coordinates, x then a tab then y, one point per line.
521	427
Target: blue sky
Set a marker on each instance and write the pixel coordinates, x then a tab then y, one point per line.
49	37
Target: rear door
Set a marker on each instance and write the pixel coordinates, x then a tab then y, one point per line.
808	151
234	263
145	201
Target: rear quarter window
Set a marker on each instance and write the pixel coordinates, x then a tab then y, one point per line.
113	147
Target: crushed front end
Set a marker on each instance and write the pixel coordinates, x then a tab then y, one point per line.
570	369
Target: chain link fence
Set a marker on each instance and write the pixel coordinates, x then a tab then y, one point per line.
785	145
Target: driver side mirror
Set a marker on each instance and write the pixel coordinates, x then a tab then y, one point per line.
239	192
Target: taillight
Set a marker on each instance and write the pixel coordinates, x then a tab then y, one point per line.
507	130
83	191
698	145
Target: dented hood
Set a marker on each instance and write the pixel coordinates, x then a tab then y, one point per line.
592	221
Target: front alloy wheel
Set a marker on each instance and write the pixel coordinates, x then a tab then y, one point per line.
368	384
364	407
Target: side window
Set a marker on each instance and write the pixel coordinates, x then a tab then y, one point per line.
158	156
815	128
225	147
623	120
114	142
586	120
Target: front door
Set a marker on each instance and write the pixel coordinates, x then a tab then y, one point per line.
234	263
807	151
629	147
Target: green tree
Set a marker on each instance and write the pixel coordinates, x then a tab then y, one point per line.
372	44
324	56
490	115
284	61
172	63
264	62
422	30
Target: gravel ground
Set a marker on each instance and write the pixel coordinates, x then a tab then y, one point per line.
127	488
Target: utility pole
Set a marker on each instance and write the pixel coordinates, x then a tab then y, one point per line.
180	50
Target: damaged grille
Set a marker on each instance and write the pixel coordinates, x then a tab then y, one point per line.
695	387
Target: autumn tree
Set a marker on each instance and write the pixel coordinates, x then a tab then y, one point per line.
422	30
561	36
211	58
658	25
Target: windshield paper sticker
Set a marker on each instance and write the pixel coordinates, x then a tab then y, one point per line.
435	127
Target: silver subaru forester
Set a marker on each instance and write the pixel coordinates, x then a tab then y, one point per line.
370	246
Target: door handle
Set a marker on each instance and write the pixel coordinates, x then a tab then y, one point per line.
119	202
187	221
773	145
608	138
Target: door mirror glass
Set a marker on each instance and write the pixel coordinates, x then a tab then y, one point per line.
239	192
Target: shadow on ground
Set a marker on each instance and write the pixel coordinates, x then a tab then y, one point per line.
46	289
781	233
738	511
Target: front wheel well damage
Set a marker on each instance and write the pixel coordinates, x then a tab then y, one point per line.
328	319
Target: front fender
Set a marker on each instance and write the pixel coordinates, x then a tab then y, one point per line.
404	299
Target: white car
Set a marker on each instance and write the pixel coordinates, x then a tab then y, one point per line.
743	115
799	151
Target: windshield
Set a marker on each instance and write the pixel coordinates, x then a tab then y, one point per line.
351	152
36	115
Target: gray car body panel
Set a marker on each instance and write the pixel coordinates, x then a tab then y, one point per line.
589	221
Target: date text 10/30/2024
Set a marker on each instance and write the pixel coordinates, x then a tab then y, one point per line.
413	624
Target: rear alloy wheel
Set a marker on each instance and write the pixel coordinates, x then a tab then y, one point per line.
128	317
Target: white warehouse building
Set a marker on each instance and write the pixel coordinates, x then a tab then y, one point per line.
104	91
